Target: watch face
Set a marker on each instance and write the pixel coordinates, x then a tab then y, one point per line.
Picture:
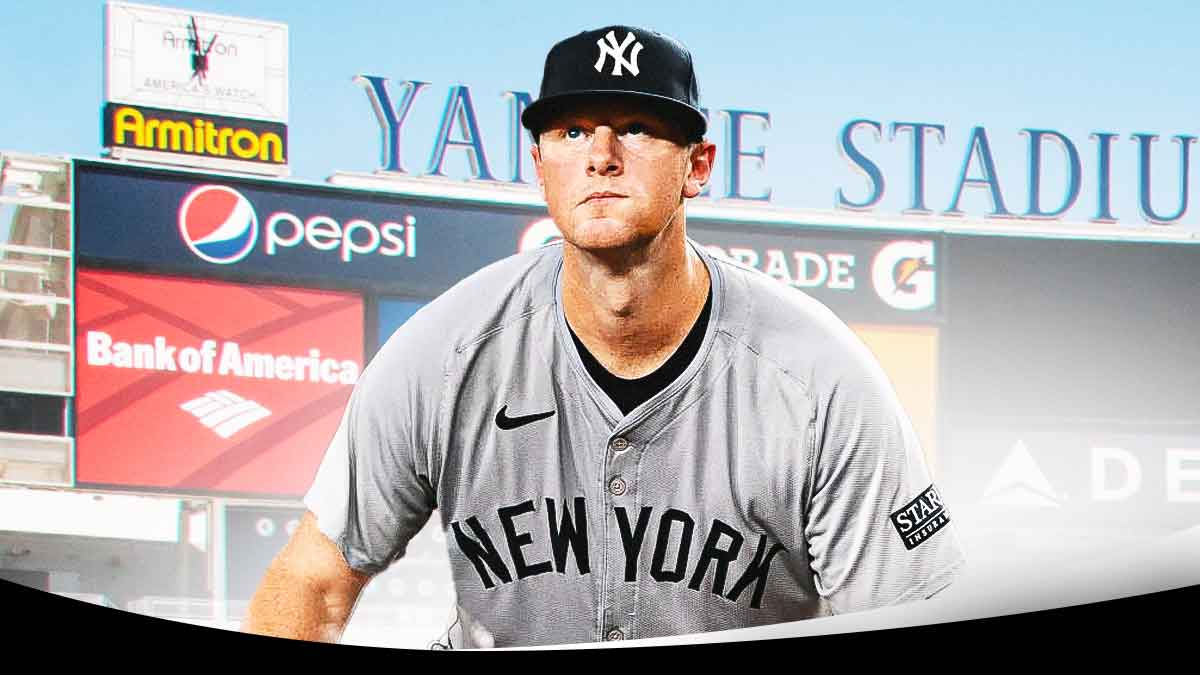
182	60
199	52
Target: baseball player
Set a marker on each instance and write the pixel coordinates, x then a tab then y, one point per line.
623	436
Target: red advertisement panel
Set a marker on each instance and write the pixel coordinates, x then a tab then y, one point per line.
196	386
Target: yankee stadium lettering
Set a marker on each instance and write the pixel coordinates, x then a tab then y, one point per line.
459	129
978	172
568	533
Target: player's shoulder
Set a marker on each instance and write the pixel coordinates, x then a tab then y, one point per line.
786	326
493	296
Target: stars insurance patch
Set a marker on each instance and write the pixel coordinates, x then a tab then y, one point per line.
919	519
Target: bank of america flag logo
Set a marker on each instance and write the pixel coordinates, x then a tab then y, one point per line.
224	412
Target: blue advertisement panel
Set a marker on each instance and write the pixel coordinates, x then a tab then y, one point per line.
273	231
393	313
248	229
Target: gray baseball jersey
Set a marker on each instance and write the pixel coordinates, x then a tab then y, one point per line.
776	479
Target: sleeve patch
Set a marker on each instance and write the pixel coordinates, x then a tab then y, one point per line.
919	519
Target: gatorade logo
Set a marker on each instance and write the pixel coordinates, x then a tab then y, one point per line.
904	275
218	224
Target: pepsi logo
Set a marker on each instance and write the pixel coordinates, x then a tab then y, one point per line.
218	224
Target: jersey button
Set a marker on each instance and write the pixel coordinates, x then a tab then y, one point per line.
617	486
614	634
619	445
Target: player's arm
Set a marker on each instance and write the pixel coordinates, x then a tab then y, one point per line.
372	492
877	529
308	592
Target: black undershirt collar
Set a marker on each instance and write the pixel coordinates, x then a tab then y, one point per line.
629	394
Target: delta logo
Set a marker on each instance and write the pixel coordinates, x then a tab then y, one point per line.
219	225
178	132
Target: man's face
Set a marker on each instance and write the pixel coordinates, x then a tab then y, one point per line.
615	174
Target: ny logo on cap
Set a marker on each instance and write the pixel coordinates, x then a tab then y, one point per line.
617	52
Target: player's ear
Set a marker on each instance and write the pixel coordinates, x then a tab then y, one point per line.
700	166
536	152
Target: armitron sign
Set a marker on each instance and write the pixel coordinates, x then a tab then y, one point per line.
128	126
195	89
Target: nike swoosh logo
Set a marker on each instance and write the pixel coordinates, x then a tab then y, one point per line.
509	423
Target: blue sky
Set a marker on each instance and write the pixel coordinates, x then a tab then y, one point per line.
1076	68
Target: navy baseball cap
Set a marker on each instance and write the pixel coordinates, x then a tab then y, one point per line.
620	61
